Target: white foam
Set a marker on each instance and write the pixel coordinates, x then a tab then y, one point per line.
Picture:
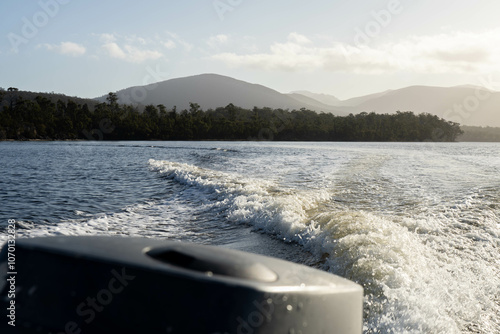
151	219
430	266
417	278
264	204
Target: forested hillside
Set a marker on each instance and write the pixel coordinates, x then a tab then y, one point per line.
11	95
41	118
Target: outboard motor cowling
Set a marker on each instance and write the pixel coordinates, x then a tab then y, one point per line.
94	284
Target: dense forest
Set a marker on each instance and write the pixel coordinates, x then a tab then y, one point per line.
42	118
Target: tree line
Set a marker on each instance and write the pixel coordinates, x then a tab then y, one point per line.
41	118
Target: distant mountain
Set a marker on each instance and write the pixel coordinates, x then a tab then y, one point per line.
315	104
467	105
212	91
323	98
355	101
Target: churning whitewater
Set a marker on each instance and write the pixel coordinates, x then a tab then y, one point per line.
419	275
416	224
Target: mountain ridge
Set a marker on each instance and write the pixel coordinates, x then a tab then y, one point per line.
465	104
211	91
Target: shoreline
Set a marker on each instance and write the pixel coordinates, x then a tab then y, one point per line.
240	140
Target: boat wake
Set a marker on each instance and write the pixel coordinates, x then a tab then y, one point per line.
421	274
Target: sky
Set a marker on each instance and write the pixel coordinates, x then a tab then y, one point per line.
345	48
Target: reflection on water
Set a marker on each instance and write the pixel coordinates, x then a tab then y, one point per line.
417	224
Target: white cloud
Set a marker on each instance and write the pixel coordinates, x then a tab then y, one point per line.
170	44
134	39
298	39
107	38
114	51
216	41
178	40
453	52
137	49
66	48
131	48
130	53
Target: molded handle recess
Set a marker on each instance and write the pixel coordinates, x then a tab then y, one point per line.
217	262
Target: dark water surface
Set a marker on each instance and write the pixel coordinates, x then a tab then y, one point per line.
417	224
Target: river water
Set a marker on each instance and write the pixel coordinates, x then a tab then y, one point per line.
416	224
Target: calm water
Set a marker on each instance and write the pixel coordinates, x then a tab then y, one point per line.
416	224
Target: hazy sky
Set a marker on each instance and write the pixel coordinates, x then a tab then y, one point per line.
345	48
